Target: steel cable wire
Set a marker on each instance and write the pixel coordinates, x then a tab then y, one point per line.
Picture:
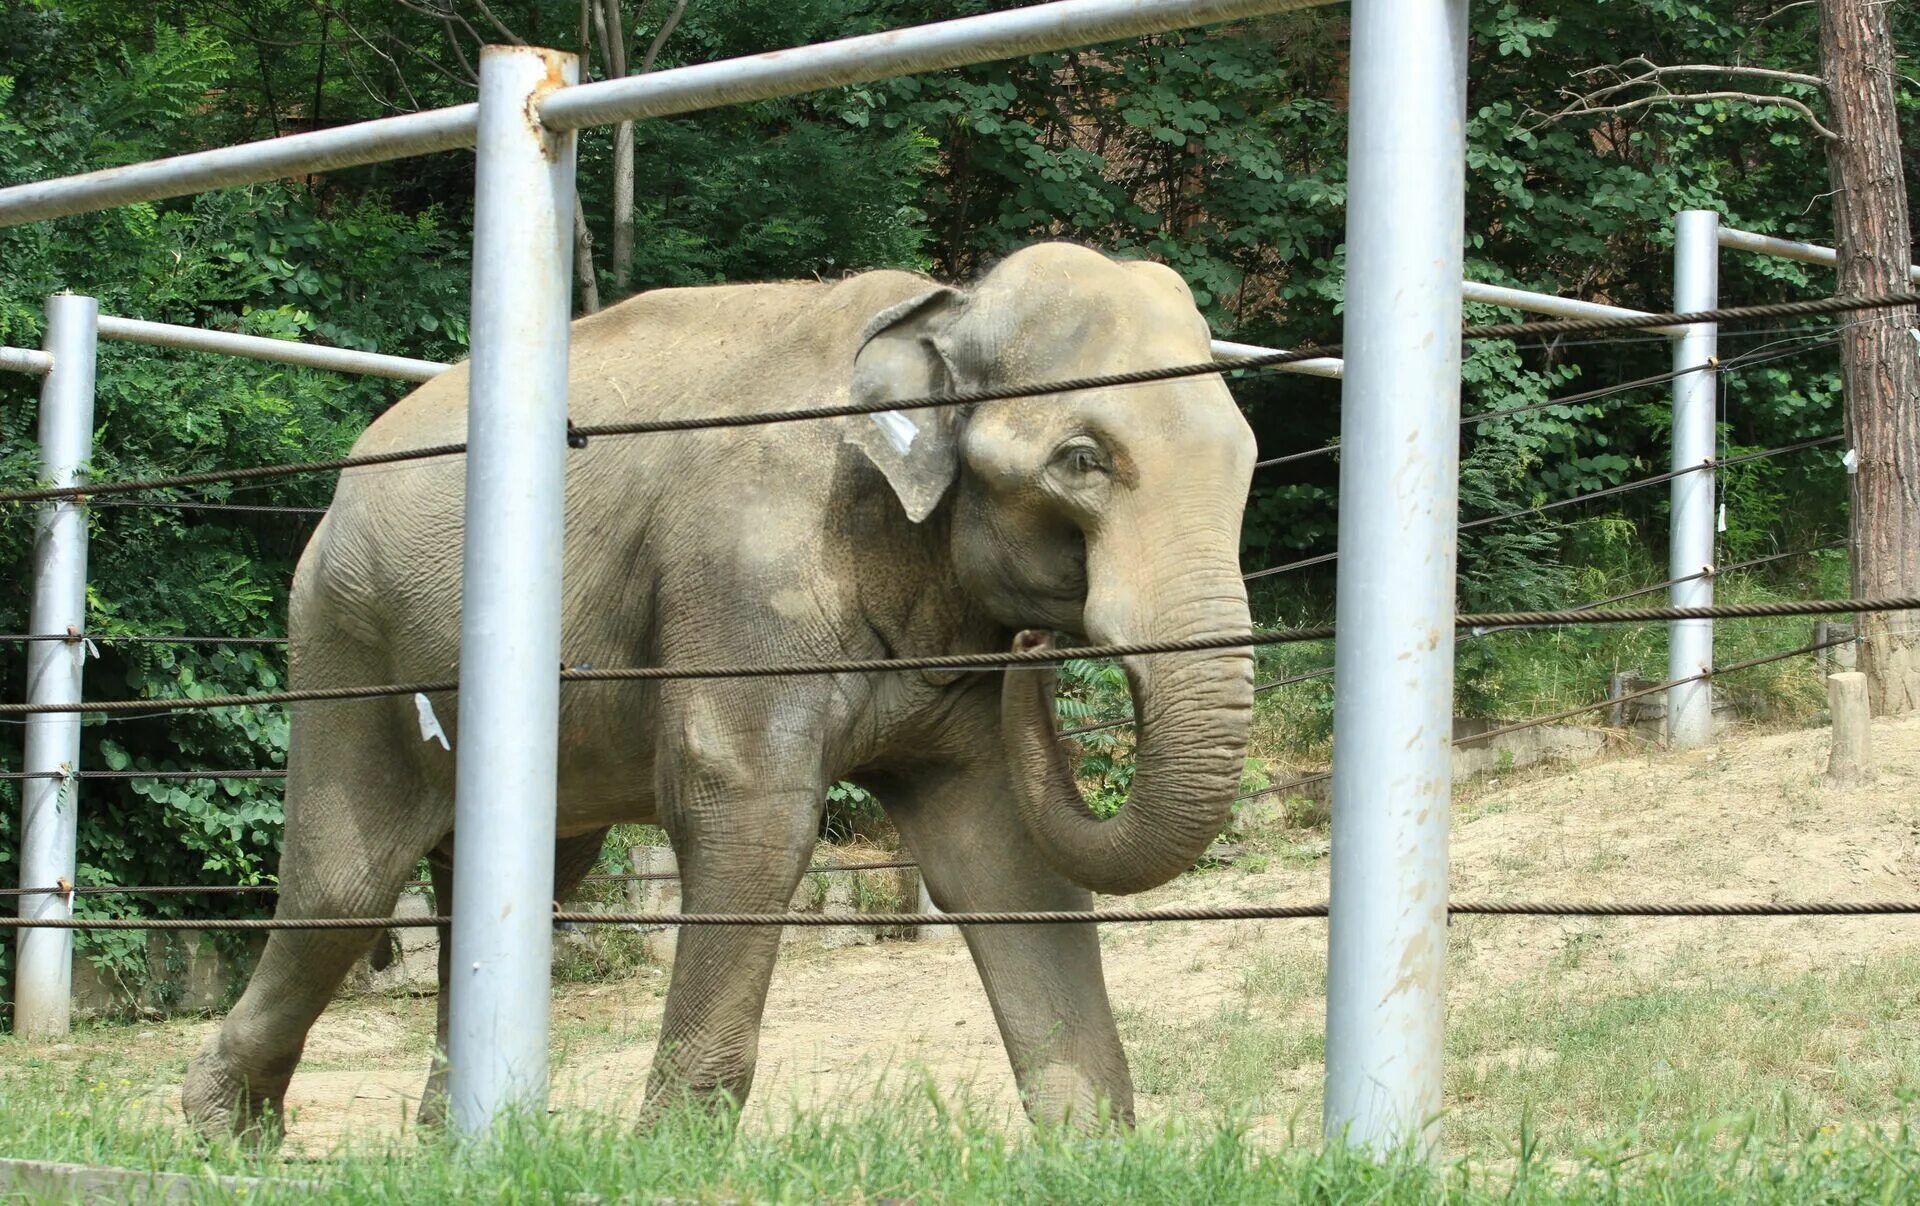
996	660
1642	483
1475	634
1583	709
24	638
249	889
1112	916
1828	305
1744	909
1745	360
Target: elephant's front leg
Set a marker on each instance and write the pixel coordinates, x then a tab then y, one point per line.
1045	982
742	804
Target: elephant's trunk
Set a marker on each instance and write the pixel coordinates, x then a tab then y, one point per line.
1192	714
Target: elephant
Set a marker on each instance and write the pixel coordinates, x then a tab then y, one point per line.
1104	515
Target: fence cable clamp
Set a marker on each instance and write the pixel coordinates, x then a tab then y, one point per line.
575	437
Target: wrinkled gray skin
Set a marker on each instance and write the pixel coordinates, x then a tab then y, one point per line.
1112	515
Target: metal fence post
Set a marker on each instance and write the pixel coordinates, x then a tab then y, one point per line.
43	978
1399	496
508	733
1696	286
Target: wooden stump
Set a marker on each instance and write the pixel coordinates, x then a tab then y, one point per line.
1851	761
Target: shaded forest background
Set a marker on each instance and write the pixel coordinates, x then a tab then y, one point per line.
1221	154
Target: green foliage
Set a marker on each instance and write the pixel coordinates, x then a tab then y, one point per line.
1092	693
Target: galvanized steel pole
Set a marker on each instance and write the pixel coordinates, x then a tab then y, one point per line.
1393	715
508	732
43	975
1696	286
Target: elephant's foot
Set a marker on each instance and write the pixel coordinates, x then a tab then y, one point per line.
677	1094
220	1103
1063	1094
432	1115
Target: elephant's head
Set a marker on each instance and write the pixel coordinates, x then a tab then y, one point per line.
1112	514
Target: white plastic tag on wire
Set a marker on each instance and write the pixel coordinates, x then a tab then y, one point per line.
1851	461
430	729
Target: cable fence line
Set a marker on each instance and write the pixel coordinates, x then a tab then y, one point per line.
1658	479
1291	785
264	889
75	638
1463	908
578	436
1081	730
997	660
972	919
189	504
1730	364
1582	710
1475	634
19	776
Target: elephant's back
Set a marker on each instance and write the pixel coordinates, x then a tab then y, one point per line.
677	353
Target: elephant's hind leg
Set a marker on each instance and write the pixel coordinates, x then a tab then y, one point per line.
358	820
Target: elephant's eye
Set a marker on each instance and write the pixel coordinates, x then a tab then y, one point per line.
1080	459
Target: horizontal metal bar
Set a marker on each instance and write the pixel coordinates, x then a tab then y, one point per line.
249	163
682	90
1787	249
255	347
1529	302
25	360
934	47
1324	366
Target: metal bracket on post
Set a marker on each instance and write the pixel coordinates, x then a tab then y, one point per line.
43	977
507	756
1690	558
1399	503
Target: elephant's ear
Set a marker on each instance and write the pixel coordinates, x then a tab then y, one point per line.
902	355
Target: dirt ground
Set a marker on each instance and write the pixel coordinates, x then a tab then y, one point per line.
1748	820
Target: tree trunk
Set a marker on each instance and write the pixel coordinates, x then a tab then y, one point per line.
613	39
1879	360
582	233
583	260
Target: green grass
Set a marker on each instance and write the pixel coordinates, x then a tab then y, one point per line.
1586	1058
922	1149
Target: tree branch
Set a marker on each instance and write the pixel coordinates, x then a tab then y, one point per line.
660	39
1654	72
1683	98
1650	74
498	24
